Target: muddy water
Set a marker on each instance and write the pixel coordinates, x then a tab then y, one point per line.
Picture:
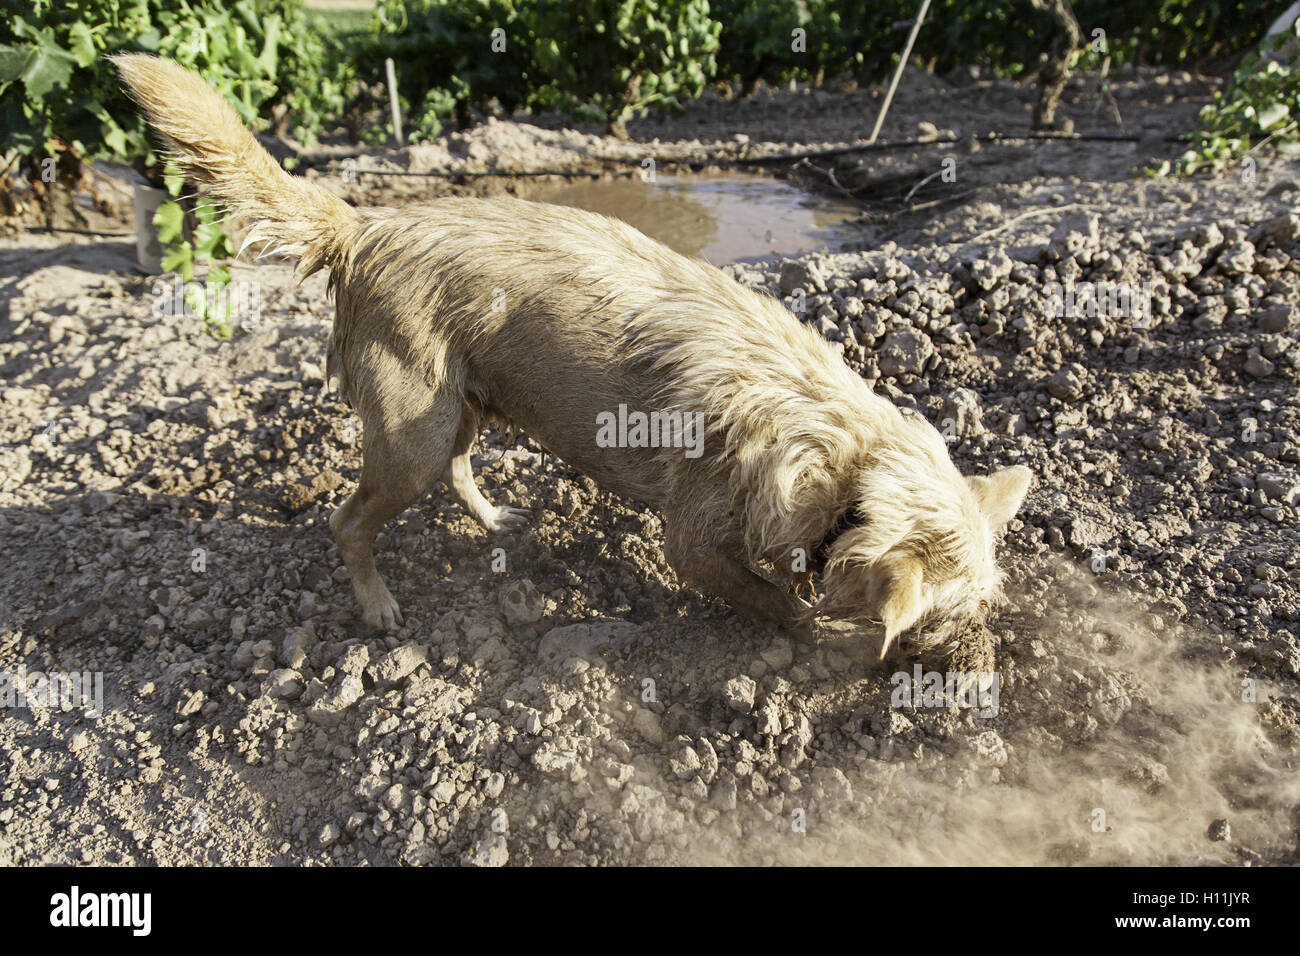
719	218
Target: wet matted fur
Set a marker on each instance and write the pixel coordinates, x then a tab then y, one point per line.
548	318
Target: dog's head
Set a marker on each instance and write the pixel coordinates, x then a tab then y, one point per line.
921	550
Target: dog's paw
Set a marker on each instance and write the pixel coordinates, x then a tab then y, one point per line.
505	519
380	609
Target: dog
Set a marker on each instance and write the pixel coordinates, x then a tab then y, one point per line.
463	311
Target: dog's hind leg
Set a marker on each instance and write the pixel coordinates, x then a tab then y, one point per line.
459	477
403	457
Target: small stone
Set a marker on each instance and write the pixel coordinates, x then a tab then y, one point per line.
989	748
397	664
284	684
777	655
1220	831
1276	318
329	709
646	723
522	603
800	275
904	352
739	693
1278	487
1067	383
490	851
1257	365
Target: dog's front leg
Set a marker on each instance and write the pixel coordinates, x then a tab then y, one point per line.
726	576
459	477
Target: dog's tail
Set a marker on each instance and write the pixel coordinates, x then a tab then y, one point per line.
207	139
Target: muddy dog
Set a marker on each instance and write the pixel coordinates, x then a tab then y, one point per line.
552	319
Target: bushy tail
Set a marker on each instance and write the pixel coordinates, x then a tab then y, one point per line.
206	137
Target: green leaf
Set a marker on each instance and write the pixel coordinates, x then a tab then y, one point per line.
1271	114
209	240
48	68
177	258
170	220
13	62
81	44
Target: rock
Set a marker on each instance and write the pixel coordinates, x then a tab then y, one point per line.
1237	259
397	664
1276	318
294	647
684	762
1279	231
769	718
904	352
395	797
489	851
1077	232
329	834
243	657
354	659
584	639
646	723
739	693
989	748
310	605
99	501
190	703
1257	365
960	416
550	759
800	275
522	603
1278	487
1220	831
298	496
1151	775
723	794
334	703
1067	382
284	684
778	655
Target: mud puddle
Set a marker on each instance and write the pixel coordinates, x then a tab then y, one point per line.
722	218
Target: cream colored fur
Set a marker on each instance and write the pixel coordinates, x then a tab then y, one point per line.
545	317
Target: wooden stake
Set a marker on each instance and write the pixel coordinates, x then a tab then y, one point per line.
392	99
898	73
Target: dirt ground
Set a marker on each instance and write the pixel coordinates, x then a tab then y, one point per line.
553	696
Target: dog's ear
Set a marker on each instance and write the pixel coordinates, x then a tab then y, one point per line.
1001	494
903	602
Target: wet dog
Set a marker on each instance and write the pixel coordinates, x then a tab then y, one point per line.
554	320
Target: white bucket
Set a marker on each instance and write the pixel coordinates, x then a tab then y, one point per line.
148	251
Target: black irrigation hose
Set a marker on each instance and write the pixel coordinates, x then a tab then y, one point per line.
991	138
568	174
79	232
